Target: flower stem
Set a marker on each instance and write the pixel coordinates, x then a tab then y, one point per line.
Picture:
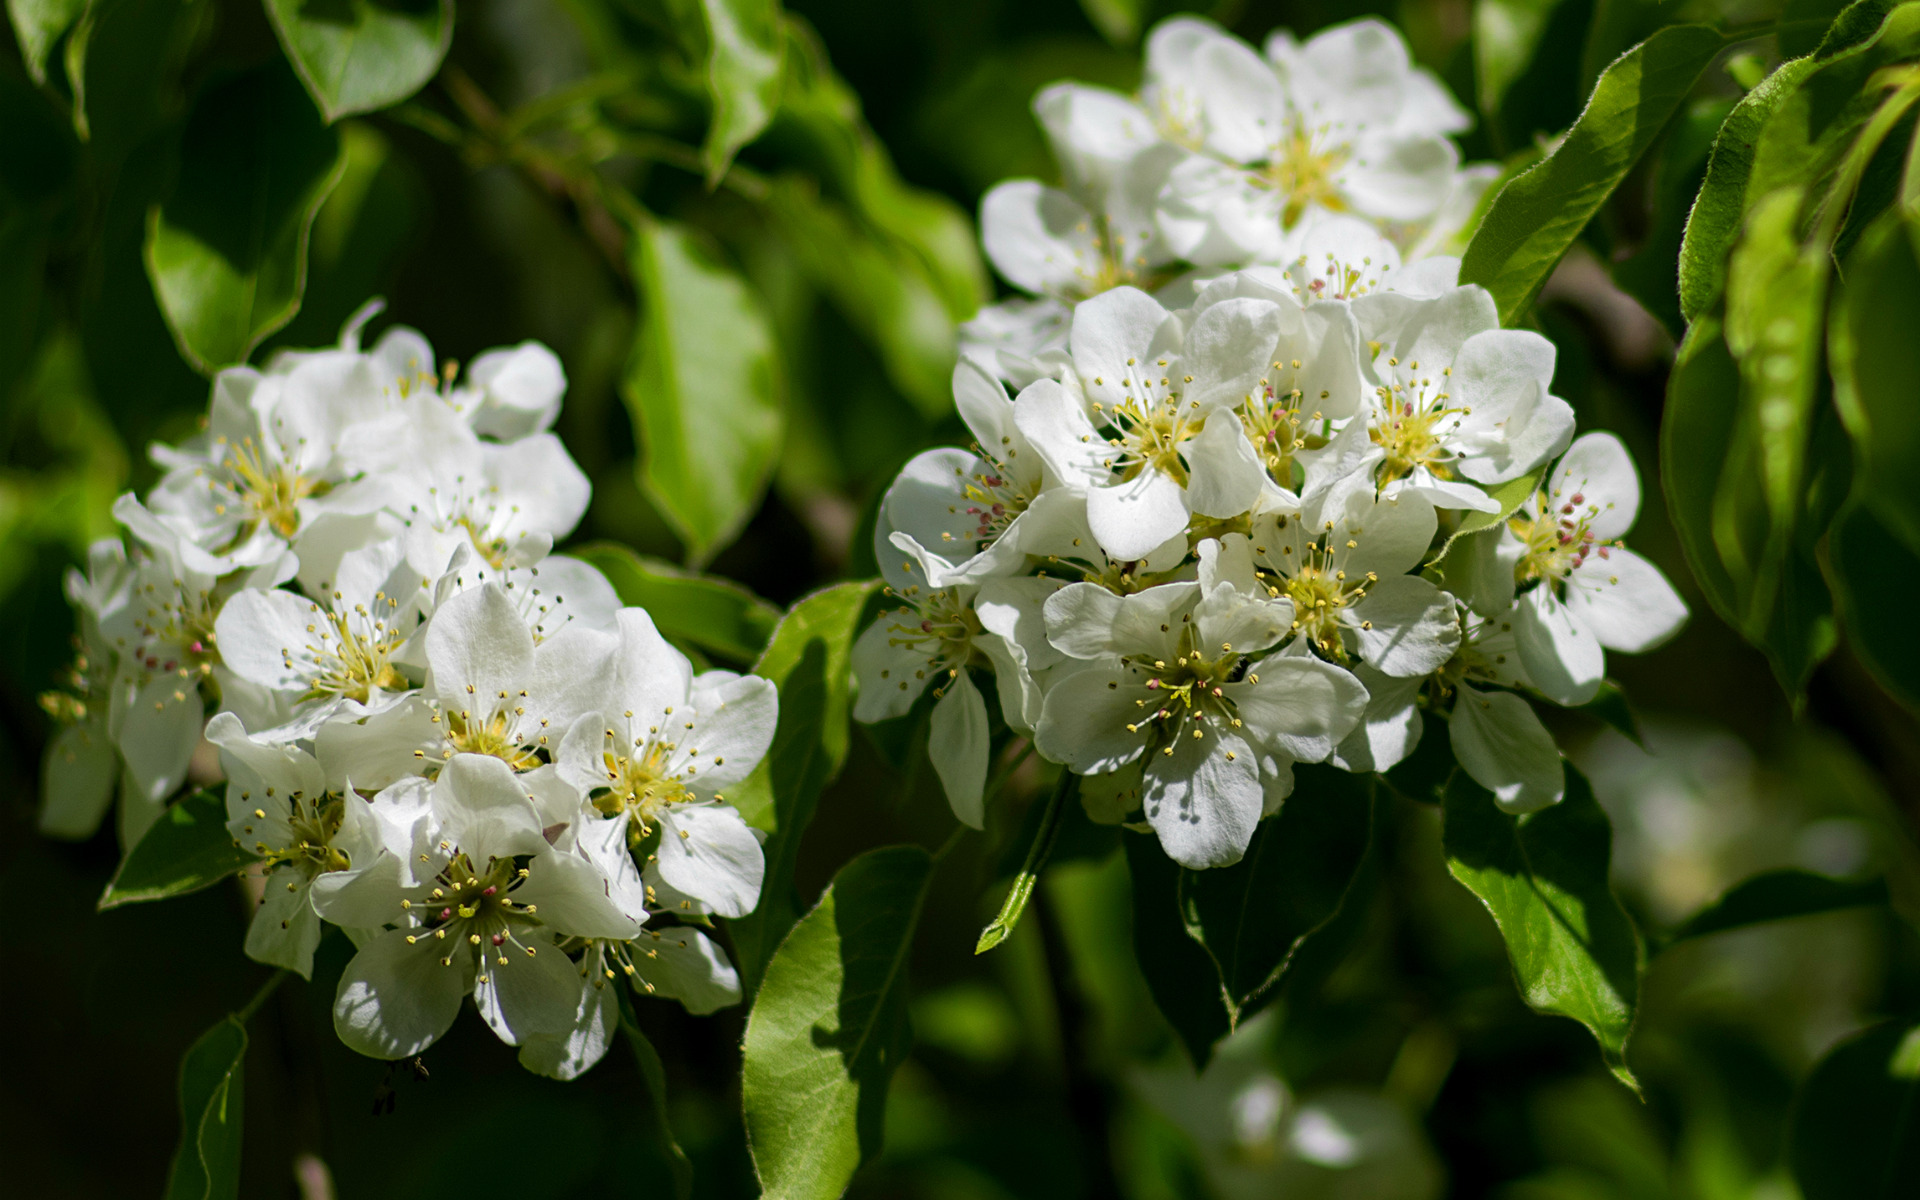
1023	883
260	997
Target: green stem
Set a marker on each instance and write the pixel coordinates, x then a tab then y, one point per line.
260	997
1023	883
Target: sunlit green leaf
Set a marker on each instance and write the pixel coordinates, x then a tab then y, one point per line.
38	25
714	614
1509	495
360	55
206	1164
1538	215
1778	896
809	659
1543	876
1856	1124
704	387
829	1026
227	251
746	43
187	849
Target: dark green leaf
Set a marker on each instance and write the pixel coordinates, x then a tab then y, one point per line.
1876	358
1505	34
1875	572
704	387
359	55
1856	1124
1543	876
654	1075
1779	895
714	614
186	849
830	1024
1610	705
1804	24
227	252
1539	214
38	25
1253	916
809	659
1179	973
746	43
206	1165
123	62
1118	21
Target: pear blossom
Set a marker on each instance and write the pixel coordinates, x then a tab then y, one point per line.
1341	123
1576	589
1173	677
83	762
489	900
658	752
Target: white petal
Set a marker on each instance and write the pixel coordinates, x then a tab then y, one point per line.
1499	741
158	733
1083	723
1415	628
1227	475
569	1055
1625	601
395	1000
891	672
734	723
258	630
1599	470
77	784
522	995
478	646
1111	329
384	749
1390	729
1227	350
521	387
1040	240
1399	177
709	853
1057	427
486	808
1300	705
957	743
684	964
1202	803
653	675
574	898
1560	653
285	929
1134	518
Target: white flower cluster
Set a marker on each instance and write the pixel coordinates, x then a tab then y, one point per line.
1227	159
436	734
1203	542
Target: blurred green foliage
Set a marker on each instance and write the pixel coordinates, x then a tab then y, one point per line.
738	222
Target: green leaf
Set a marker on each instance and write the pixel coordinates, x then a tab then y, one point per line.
714	614
38	25
1714	223
1537	216
227	251
1856	1122
1252	917
704	387
829	1025
809	659
1875	572
1778	896
882	290
1510	496
654	1074
1119	21
186	849
356	56
1543	876
746	45
1180	975
206	1165
1875	357
1505	35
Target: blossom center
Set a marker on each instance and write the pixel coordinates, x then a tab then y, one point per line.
267	488
474	906
1304	170
1149	426
643	784
351	655
1557	540
496	735
1188	694
1412	422
312	824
